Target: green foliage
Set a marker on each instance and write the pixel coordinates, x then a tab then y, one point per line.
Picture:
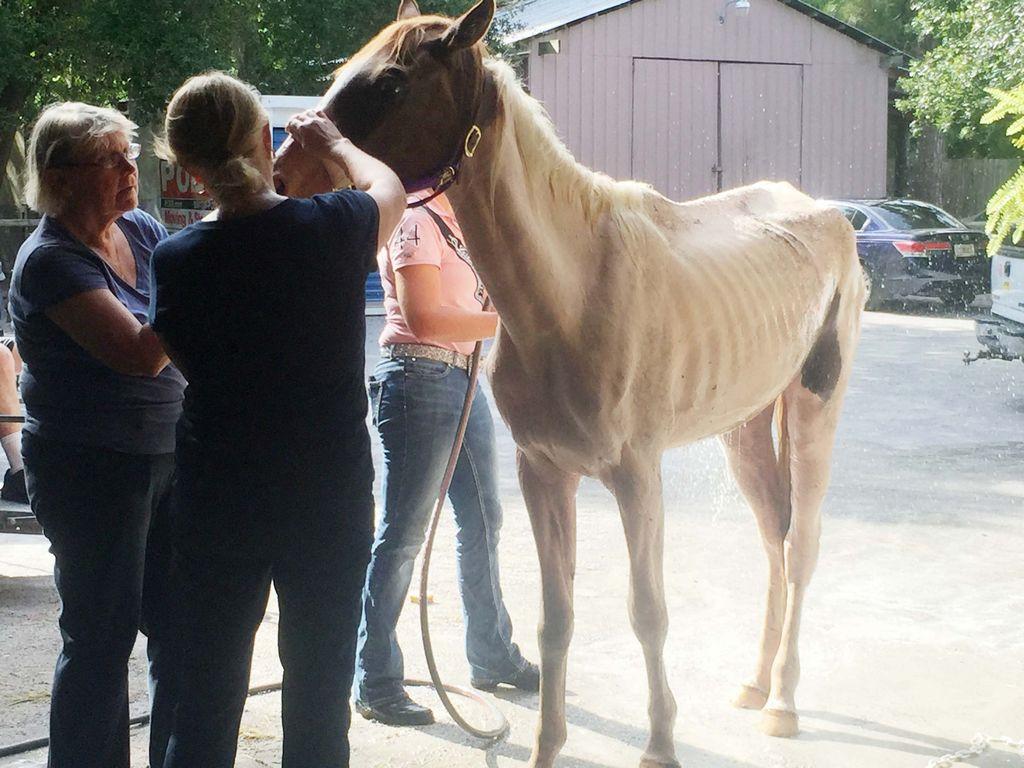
136	52
293	46
111	52
969	45
1006	208
888	20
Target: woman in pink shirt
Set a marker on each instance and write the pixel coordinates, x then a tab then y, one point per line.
434	302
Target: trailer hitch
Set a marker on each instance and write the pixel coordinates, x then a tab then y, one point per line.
982	354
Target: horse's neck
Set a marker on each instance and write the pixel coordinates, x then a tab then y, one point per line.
528	240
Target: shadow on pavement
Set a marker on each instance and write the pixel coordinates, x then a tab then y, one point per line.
925	307
628	735
927	745
26	591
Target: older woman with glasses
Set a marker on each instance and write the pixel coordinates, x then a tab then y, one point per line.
101	405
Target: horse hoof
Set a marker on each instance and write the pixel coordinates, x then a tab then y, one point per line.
750	697
780	723
651	762
541	762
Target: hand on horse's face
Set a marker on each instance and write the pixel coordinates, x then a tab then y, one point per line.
314	131
299	173
397	99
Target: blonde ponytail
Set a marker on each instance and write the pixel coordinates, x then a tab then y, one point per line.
237	176
214	125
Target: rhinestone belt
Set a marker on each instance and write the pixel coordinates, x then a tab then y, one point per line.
427	352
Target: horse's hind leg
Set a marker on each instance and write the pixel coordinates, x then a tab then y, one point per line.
812	425
637	488
812	406
765	484
550	496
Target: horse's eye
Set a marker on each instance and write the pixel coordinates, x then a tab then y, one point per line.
391	83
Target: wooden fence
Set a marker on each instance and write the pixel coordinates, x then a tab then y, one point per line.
960	186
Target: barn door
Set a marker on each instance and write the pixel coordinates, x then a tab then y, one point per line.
762	109
675	126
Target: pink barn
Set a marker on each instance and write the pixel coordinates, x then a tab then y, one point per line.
696	96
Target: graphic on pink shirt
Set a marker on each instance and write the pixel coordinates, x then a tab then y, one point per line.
419	240
455	241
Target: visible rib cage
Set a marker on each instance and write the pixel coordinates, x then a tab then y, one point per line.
675	321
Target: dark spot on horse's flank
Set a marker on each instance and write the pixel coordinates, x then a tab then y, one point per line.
825	361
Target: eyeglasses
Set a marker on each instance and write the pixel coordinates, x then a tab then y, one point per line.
109	161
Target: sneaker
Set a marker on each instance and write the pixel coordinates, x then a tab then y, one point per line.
525	679
14	487
400	710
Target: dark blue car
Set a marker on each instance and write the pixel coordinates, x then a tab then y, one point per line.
909	248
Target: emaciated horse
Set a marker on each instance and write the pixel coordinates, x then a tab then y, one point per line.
629	324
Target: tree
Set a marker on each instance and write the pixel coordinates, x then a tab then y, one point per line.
888	20
293	46
1006	208
136	52
968	46
102	51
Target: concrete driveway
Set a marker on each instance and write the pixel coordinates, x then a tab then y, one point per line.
912	640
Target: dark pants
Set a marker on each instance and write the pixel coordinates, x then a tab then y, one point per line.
106	514
308	531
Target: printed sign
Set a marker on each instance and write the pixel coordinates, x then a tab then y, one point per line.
182	200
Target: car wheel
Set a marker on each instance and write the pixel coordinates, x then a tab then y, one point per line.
874	300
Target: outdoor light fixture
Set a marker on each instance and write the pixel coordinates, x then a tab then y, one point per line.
548	47
742	8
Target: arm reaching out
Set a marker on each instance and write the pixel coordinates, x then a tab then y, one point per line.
319	136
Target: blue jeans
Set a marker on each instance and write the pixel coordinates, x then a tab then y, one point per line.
416	408
107	516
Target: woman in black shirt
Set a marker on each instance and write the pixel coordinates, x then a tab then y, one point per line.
262	307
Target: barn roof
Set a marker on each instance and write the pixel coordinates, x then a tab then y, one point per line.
536	17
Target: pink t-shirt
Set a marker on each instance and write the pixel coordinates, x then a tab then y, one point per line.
418	240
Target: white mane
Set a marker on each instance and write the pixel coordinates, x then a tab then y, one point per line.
553	171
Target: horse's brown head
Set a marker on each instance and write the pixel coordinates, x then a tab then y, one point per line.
409	98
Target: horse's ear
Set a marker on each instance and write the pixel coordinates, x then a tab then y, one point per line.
407	9
470	28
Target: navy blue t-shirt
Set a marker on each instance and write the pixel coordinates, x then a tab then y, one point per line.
266	315
70	395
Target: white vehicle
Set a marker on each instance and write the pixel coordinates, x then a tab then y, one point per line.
1002	333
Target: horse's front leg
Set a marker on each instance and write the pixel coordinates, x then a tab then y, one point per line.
550	496
637	488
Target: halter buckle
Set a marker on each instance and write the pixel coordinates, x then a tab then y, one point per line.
473	140
447	177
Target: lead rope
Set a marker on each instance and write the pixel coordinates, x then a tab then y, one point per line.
979	745
488	734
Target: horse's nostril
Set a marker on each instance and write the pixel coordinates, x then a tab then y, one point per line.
279	186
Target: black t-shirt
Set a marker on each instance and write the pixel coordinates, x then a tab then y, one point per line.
266	315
